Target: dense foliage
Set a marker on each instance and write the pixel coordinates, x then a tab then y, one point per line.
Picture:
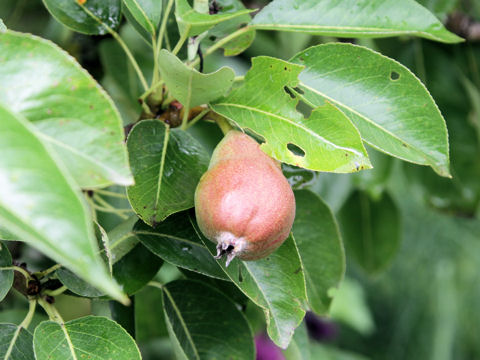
109	113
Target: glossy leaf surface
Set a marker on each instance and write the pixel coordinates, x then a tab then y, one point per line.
40	203
205	323
6	276
326	141
167	165
320	248
69	109
175	241
16	343
371	230
191	87
264	282
72	15
353	18
94	336
391	108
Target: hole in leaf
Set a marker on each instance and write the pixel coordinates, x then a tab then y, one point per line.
394	75
298	90
295	150
289	92
213	38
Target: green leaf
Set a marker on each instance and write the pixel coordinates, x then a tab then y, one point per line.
71	14
116	65
77	285
132	272
374	181
70	111
320	248
15	343
353	18
194	23
40	203
265	282
17	315
299	178
371	230
6	276
240	43
149	317
167	165
390	107
175	241
189	86
205	323
326	141
350	307
299	348
6	235
146	12
122	239
136	269
94	336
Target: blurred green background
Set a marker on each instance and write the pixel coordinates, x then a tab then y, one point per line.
424	301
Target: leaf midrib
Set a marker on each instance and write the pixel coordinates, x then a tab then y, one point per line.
152	28
368	120
80	154
293	123
182	322
12	342
166	138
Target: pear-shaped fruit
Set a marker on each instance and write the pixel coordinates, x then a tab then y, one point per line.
243	202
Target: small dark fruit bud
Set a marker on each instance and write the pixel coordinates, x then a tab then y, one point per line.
243	202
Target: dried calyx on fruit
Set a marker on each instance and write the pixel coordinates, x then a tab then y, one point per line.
243	202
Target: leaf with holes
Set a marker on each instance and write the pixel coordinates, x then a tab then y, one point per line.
191	87
147	13
390	107
193	310
194	23
73	15
6	276
167	165
353	18
94	336
320	248
326	141
41	204
16	343
371	230
175	241
265	282
69	109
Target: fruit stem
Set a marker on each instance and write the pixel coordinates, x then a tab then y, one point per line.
222	123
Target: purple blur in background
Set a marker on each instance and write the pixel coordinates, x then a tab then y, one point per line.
320	329
266	349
